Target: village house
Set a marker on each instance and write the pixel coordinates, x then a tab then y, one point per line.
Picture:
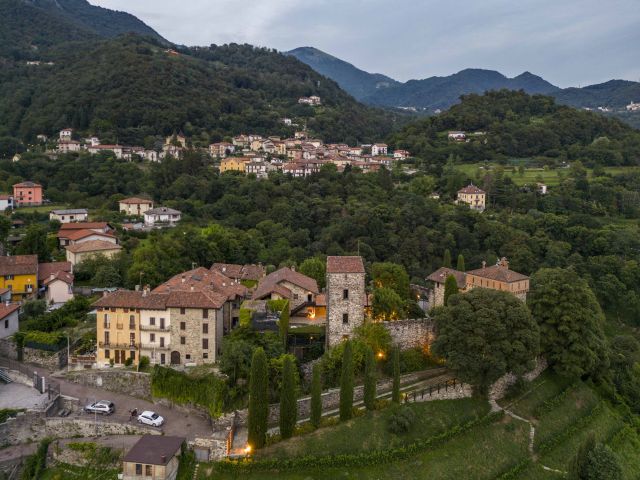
68	216
178	139
401	154
222	149
6	201
69	146
153	457
287	284
19	274
457	136
162	217
633	107
346	297
9	321
68	232
260	168
118	150
313	100
16	158
472	196
55	282
79	252
379	149
27	194
240	141
240	273
135	206
496	277
66	134
233	164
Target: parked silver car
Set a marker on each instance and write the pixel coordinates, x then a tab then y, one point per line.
104	407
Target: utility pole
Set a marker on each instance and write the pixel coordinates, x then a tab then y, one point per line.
68	351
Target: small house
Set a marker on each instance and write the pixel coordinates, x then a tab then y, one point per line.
153	457
162	216
135	206
68	216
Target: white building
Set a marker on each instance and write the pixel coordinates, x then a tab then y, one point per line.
67	146
6	201
162	216
8	319
135	206
58	288
379	149
66	134
457	136
68	216
633	107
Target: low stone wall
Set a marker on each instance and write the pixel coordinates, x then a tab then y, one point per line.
42	358
136	384
411	333
499	389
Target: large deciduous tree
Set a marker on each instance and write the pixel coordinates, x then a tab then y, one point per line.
258	399
570	320
316	269
386	304
392	276
484	334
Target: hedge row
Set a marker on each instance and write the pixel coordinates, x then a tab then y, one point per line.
554	402
376	457
515	471
53	341
566	433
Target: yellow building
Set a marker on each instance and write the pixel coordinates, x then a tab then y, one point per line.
19	274
473	196
233	164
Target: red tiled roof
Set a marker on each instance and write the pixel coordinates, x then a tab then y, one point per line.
45	270
136	201
131	299
243	272
60	275
80	234
345	264
154	449
203	280
6	310
195	299
498	273
19	265
93	246
471	189
441	275
268	283
27	184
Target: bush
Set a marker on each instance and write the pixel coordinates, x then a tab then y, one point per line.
128	362
143	365
36	464
45	340
401	420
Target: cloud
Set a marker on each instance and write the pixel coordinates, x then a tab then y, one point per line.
568	42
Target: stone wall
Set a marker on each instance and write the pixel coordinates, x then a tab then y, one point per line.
116	380
50	360
411	333
499	389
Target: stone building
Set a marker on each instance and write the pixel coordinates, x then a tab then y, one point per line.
345	297
439	277
287	284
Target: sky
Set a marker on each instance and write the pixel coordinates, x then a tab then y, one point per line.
567	42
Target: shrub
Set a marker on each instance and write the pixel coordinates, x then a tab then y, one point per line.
143	364
245	317
128	362
401	420
45	340
258	399
36	464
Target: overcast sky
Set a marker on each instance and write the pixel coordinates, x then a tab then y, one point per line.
568	42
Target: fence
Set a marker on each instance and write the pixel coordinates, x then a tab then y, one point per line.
431	390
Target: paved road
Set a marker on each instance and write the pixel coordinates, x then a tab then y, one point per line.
176	422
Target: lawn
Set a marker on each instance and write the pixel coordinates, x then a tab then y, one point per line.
42	208
64	472
432	418
541	390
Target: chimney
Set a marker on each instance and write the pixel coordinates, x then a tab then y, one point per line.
484	264
104	293
504	262
52	276
183	279
192	288
163	458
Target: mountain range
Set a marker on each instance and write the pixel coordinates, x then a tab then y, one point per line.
435	93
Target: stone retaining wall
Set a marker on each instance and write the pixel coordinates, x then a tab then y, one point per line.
116	380
42	358
499	389
411	333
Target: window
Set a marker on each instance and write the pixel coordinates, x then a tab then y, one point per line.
148	470
205	355
152	321
152	337
205	313
138	469
183	340
107	354
183	311
345	318
345	294
106	338
132	322
162	341
132	355
188	356
8	277
6	324
295	296
205	344
163	359
205	328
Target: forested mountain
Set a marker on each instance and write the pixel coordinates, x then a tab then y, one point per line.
357	82
131	89
513	124
614	93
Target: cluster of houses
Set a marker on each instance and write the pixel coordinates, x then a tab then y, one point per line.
633	107
313	100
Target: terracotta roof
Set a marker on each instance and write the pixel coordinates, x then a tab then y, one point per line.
265	290
80	234
243	272
93	246
4	290
131	299
136	201
471	189
85	225
195	299
19	265
27	184
272	282
203	280
6	310
45	270
440	276
345	264
499	273
154	450
60	275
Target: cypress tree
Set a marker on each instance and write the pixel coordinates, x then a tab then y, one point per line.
460	266
346	383
258	399
316	396
395	393
450	288
446	261
288	403
370	380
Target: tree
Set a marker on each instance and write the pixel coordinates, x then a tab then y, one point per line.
258	400
283	326
107	276
375	336
578	465
370	380
570	320
35	243
346	383
395	392
316	269
460	265
484	334
316	396
393	276
386	304
450	288
288	401
446	260
602	464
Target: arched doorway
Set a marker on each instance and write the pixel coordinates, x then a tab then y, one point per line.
175	358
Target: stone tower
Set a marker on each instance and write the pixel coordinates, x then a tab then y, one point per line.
346	297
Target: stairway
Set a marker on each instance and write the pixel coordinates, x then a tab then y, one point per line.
4	377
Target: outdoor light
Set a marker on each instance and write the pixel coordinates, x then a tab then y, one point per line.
247	449
380	355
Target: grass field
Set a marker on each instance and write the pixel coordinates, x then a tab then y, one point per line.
42	208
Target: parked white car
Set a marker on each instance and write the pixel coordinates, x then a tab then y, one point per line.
150	418
104	407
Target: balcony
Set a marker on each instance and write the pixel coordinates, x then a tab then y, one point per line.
155	346
107	325
155	328
119	346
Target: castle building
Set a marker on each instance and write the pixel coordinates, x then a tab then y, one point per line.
345	297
